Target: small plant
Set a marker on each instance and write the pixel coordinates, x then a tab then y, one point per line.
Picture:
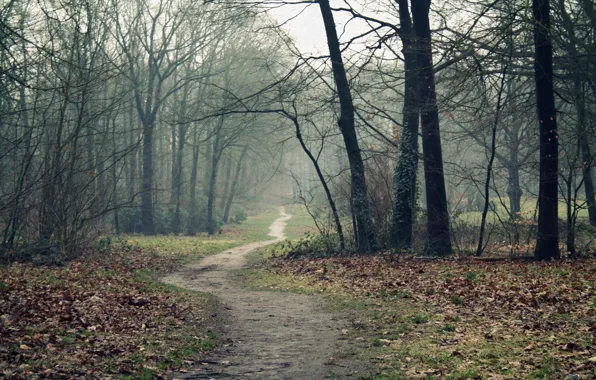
240	216
420	319
103	244
471	276
448	328
376	342
458	300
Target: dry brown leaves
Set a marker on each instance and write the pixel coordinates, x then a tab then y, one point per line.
94	317
536	311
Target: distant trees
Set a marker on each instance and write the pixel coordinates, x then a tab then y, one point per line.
87	91
168	116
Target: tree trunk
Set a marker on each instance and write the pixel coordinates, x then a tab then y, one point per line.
148	226
407	167
178	180
438	236
228	169
365	233
514	190
115	180
132	186
489	169
234	187
216	154
174	171
192	212
547	244
207	175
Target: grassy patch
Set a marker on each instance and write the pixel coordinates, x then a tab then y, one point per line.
192	248
300	224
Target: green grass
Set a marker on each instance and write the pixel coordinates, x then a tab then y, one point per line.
191	248
528	208
300	223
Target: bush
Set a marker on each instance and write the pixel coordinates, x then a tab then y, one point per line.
240	216
326	245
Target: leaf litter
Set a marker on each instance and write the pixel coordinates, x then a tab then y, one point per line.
99	316
465	318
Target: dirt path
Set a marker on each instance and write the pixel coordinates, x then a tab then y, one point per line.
270	335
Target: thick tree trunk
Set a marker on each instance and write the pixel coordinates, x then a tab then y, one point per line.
192	212
234	188
547	244
588	159
407	166
438	234
365	237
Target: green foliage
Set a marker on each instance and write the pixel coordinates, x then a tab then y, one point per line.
420	319
312	245
103	244
240	216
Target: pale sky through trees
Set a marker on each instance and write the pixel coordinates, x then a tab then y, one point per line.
304	24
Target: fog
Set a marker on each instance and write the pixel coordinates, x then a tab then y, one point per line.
466	128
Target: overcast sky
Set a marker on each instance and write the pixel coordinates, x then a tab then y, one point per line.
307	28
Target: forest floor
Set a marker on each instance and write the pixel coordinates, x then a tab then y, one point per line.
268	335
106	315
455	319
243	313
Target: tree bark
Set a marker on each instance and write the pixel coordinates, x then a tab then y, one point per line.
216	155
438	235
147	182
407	167
192	213
228	171
547	243
365	238
178	179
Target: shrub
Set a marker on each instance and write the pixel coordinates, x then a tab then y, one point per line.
325	245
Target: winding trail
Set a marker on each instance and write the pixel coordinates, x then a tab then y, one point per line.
268	335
